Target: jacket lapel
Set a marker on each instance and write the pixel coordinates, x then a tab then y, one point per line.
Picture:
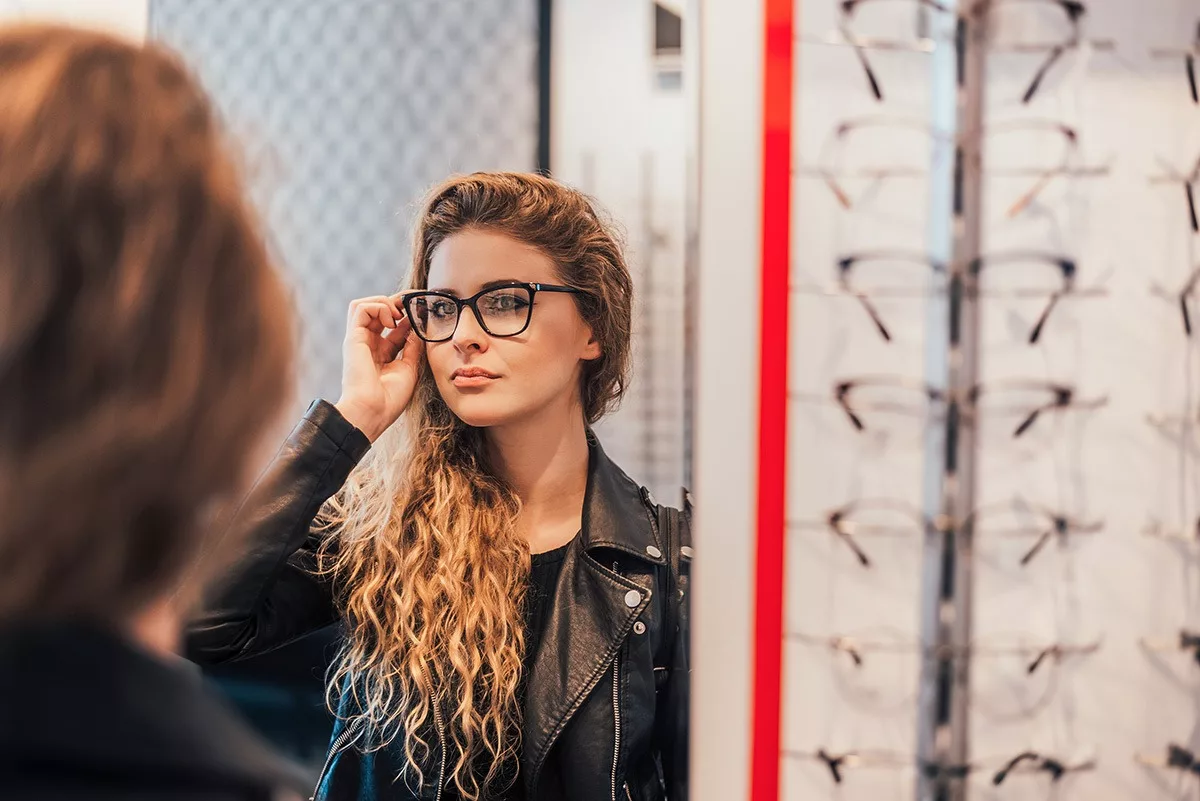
594	608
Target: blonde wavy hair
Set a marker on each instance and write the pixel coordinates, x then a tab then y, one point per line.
431	569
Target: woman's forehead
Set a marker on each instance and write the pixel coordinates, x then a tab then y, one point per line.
466	261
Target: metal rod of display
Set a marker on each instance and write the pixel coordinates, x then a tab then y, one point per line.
952	361
544	39
649	369
690	44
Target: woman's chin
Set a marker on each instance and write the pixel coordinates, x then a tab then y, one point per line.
480	412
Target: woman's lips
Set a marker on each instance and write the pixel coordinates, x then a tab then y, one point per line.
472	377
472	380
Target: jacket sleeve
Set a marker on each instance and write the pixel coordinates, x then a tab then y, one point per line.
272	595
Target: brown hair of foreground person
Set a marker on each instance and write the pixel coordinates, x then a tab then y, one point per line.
145	339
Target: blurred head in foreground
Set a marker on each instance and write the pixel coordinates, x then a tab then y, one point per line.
145	337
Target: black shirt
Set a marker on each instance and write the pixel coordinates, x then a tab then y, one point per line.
543	578
539	600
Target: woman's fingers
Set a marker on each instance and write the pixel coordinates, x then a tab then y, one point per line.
375	316
399	335
388	346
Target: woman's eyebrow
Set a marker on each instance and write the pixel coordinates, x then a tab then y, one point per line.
484	288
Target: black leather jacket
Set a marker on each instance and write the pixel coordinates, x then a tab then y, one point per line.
606	705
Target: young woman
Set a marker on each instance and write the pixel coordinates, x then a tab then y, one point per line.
138	311
515	614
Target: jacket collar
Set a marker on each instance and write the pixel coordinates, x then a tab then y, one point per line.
594	607
616	511
81	696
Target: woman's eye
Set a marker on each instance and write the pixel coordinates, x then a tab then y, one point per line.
442	309
506	302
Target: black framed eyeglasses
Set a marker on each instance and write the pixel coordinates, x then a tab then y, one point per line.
502	311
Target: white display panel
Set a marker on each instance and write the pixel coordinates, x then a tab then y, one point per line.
1121	341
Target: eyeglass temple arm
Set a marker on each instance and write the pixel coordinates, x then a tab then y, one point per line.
1051	60
1032	667
1036	333
873	313
1026	200
1184	294
866	65
842	395
847	647
834	763
840	194
1063	399
1037	547
1190	63
846	537
1028	422
1189	187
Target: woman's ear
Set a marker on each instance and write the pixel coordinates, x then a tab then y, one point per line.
592	350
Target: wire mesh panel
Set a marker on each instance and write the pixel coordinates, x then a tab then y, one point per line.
347	110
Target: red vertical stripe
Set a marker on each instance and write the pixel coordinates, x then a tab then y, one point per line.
772	410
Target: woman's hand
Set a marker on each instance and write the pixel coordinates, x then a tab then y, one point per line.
380	358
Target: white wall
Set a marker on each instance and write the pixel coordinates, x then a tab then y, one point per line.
127	17
621	139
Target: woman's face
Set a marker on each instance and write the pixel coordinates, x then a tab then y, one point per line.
508	379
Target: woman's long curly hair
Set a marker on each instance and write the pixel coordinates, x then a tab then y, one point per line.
431	567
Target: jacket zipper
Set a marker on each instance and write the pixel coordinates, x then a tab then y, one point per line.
339	744
437	720
616	721
616	708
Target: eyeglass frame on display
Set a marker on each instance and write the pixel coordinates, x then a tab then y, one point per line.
1044	177
836	762
1063	397
835	521
854	647
1073	10
1066	267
